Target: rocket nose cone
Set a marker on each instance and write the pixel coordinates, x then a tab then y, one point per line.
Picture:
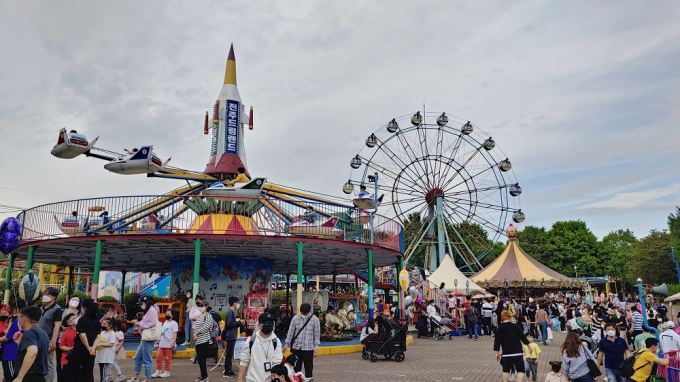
231	53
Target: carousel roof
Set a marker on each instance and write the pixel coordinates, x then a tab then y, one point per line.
447	273
514	265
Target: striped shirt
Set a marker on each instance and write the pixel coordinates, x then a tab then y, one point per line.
637	321
309	338
204	325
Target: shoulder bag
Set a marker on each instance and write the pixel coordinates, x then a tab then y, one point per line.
153	333
592	365
300	331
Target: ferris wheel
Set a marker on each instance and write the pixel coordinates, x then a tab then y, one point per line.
449	172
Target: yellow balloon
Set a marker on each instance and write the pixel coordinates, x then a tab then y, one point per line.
403	279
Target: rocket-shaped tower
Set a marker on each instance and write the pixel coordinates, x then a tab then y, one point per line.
227	150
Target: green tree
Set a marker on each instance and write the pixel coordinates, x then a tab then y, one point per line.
618	247
573	244
536	242
674	226
651	259
413	226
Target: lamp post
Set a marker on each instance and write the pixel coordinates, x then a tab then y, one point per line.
576	271
644	314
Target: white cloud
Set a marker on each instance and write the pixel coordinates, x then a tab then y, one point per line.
625	200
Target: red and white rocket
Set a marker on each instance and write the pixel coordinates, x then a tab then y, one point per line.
227	150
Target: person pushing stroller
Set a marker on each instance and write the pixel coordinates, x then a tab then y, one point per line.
436	319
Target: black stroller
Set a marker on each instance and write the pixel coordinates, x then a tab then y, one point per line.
423	326
390	342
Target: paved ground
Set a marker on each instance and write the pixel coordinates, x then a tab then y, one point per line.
459	359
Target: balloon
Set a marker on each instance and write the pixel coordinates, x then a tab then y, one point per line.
403	278
10	235
408	300
413	292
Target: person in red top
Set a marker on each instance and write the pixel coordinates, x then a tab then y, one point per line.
68	338
5	314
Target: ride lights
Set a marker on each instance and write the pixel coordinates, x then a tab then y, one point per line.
348	187
505	165
417	119
515	189
467	128
392	126
489	144
371	140
442	120
355	162
518	216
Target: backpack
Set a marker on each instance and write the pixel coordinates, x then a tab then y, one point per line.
627	368
252	341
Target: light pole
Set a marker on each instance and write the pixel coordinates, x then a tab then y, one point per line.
575	271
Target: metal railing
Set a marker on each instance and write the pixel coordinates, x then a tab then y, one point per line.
205	215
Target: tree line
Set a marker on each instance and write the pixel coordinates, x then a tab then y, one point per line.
568	244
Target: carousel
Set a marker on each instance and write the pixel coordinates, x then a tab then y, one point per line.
515	274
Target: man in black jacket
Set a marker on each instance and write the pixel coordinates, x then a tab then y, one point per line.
229	335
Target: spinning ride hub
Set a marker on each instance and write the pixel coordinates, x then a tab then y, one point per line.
432	195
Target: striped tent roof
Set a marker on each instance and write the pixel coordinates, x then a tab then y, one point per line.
223	224
514	265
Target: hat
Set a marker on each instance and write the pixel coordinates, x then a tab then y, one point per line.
144	298
670	324
264	317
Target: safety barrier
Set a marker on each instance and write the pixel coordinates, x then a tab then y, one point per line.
206	215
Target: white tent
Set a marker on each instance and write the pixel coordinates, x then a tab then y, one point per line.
672	298
447	273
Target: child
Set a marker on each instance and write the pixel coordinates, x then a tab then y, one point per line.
555	375
166	345
118	349
280	374
105	353
68	339
532	353
291	360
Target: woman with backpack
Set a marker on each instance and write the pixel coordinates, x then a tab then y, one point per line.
575	358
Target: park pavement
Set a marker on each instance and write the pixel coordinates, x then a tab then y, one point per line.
459	359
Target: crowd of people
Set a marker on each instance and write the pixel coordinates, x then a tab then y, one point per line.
603	338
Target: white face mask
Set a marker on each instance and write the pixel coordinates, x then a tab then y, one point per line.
611	333
201	309
73	303
238	306
143	306
46	299
188	295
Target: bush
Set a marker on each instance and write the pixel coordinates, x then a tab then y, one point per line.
107	299
61	299
279	297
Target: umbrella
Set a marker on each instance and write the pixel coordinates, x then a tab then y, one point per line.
484	295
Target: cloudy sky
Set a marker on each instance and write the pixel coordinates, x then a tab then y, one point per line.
583	97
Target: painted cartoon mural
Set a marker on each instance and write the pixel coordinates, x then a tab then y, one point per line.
109	284
221	278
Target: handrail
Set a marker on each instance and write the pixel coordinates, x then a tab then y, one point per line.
202	215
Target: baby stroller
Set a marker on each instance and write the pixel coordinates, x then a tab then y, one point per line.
390	342
439	329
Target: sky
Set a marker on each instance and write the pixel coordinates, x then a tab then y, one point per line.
583	97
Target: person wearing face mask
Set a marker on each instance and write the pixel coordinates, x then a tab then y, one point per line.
72	308
9	347
5	314
191	303
304	337
50	322
105	354
145	348
166	345
202	330
81	359
261	353
614	350
229	336
33	347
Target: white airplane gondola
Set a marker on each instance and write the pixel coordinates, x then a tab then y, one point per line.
71	144
366	202
363	218
239	191
320	228
143	161
77	226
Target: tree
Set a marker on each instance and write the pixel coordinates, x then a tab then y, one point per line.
536	242
674	226
618	247
651	259
573	244
413	226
